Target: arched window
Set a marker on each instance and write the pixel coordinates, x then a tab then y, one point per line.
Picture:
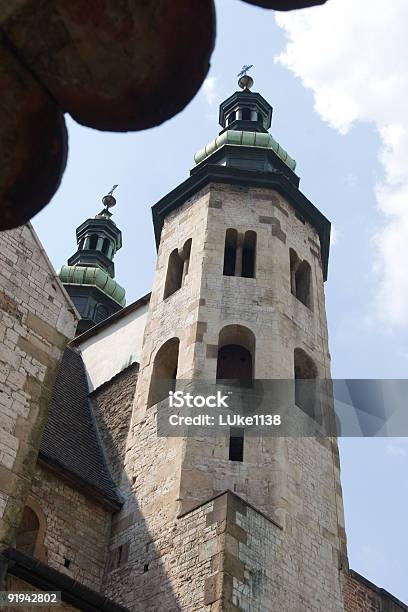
230	252
236	350
246	114
305	382
248	254
239	254
27	533
300	279
260	118
231	117
31	532
174	275
164	372
303	283
234	363
177	269
93	241
105	246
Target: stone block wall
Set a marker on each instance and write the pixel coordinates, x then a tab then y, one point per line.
288	569
36	321
142	534
361	595
254	567
168	561
225	555
112	406
76	529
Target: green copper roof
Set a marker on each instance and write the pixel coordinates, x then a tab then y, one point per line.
246	139
95	277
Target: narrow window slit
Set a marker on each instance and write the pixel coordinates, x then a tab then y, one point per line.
236	445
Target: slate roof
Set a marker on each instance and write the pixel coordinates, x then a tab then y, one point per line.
70	441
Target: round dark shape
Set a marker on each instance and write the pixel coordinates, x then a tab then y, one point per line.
108	201
246	82
33	144
116	65
285	5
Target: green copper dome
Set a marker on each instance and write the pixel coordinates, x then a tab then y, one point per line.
94	277
246	139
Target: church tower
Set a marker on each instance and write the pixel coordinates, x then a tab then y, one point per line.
89	276
233	522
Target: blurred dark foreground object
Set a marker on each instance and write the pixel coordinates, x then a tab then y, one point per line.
114	65
285	5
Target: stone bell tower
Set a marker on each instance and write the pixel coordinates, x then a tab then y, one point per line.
233	522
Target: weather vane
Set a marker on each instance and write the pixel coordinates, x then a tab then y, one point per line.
112	190
245	69
108	201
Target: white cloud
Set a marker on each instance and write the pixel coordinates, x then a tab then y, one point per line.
353	56
209	89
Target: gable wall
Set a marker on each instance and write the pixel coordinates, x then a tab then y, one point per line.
36	320
114	347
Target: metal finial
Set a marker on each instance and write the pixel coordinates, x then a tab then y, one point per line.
108	201
113	189
245	81
245	69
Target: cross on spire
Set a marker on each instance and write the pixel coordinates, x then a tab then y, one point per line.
245	69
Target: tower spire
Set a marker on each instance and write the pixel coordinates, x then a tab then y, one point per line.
245	110
244	142
89	275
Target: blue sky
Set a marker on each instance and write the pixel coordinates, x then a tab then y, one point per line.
338	112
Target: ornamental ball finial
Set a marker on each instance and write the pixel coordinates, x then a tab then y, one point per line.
108	200
245	81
